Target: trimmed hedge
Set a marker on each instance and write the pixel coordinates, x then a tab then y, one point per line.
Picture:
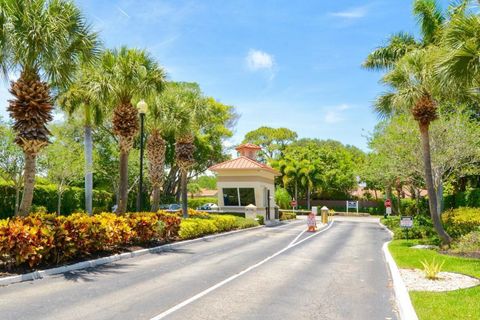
461	221
73	199
51	239
287	215
196	227
197	202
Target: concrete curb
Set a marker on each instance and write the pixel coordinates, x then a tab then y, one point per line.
402	298
116	257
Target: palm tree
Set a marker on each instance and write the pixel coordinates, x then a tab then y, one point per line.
290	169
413	87
187	116
78	99
430	19
123	75
43	40
159	122
309	177
459	65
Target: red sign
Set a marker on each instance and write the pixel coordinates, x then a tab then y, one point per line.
388	203
293	203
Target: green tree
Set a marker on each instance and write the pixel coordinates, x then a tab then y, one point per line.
11	162
78	100
44	40
272	140
125	75
63	159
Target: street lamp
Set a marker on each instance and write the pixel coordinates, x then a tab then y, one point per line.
142	109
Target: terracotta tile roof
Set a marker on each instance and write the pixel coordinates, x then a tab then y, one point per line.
242	163
248	146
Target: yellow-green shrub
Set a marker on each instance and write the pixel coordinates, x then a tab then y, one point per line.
194	228
459	222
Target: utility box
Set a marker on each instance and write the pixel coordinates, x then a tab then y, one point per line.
251	211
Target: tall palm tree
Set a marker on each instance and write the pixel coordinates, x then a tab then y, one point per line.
159	123
430	19
122	76
459	65
413	87
78	99
43	40
187	117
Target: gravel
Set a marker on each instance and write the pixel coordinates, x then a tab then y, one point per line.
415	281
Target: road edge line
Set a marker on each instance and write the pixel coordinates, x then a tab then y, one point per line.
405	307
40	274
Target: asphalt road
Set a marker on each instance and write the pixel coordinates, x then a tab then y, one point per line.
268	273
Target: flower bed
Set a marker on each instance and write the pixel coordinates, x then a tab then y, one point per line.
51	239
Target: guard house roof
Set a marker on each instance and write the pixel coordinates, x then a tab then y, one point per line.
246	160
243	163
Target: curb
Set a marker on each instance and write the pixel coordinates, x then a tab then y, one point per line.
116	257
402	298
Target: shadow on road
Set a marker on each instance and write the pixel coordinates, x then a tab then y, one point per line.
89	274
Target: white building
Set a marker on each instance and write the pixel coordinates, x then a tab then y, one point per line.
244	181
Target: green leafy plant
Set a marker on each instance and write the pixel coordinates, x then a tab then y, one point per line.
432	269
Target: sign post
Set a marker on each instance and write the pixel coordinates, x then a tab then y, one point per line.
388	208
406	222
352	205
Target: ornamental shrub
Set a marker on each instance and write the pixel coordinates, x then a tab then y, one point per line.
468	244
459	222
48	238
287	215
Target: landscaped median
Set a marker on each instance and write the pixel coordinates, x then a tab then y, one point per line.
48	240
442	283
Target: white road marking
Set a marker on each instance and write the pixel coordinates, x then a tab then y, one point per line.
222	283
296	238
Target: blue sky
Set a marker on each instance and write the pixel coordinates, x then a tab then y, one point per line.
294	64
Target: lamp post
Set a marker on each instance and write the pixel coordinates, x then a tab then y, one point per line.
142	109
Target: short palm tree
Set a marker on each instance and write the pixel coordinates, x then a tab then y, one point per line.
77	99
122	76
43	40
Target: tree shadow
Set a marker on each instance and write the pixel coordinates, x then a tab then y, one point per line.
90	274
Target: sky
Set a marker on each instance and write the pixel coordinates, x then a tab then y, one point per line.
294	64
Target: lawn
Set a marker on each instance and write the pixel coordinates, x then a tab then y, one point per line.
459	304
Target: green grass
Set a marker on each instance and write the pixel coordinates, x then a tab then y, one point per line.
459	304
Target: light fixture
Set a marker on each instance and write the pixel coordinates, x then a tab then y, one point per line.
142	106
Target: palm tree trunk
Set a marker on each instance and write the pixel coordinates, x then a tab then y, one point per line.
155	198
184	193
88	169
29	184
432	197
123	183
439	195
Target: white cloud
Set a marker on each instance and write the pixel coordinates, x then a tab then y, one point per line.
335	114
352	13
258	60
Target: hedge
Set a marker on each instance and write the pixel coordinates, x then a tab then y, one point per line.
461	221
287	215
50	239
73	199
194	203
196	227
